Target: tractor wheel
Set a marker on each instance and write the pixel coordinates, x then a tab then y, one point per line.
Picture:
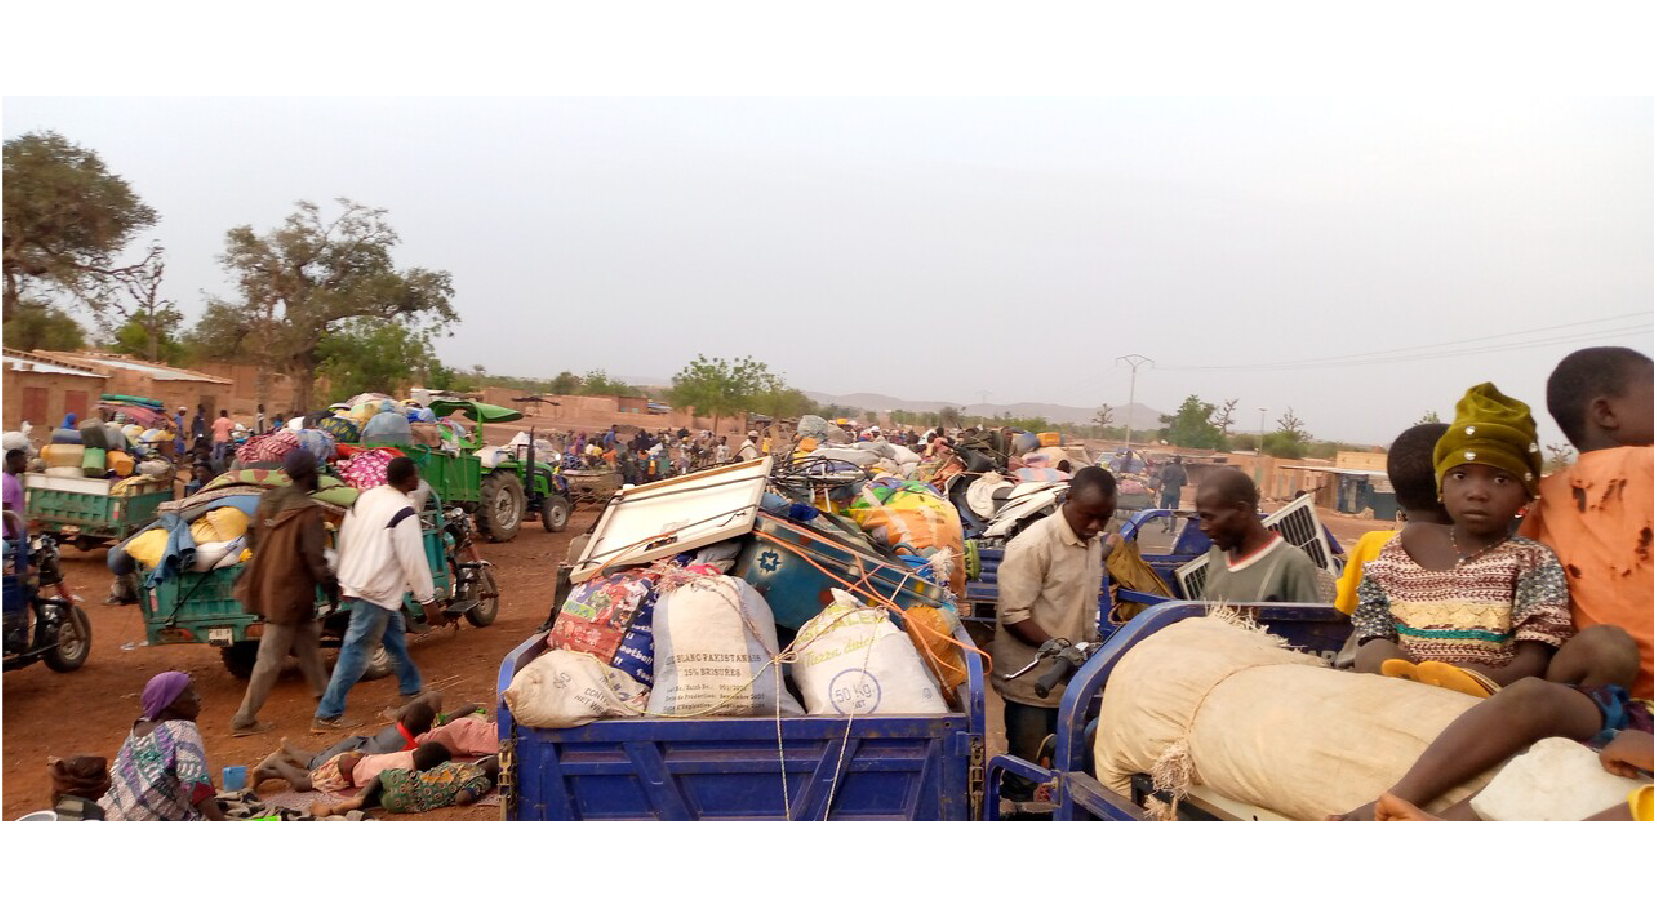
555	513
500	507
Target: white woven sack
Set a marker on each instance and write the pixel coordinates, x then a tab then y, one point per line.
852	660
564	688
715	642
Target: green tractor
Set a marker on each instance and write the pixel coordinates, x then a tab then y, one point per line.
501	496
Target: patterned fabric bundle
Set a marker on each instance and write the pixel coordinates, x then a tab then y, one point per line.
366	469
610	618
913	514
271	447
318	443
340	428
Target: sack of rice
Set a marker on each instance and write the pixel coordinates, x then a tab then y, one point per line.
563	688
852	660
1227	705
716	643
1556	780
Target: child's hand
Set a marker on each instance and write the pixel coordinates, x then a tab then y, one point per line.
1628	753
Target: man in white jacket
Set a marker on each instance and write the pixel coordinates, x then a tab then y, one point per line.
380	558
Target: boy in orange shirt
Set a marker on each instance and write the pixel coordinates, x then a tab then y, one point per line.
1597	514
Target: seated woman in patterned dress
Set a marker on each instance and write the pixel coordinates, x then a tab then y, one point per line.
160	773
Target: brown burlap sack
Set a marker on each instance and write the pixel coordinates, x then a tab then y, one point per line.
1228	706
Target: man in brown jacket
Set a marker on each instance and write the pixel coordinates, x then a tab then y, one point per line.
287	539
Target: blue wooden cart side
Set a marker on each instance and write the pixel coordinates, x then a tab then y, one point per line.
872	767
1320	629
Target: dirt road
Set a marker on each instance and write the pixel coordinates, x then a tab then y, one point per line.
89	711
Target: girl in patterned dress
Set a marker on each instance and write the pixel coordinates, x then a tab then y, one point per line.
1488	608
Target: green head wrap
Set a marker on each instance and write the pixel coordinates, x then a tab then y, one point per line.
1491	429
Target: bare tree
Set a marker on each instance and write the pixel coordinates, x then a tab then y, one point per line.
1560	456
1292	425
132	294
1223	417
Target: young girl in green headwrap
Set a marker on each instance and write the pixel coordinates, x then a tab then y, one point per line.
1489	607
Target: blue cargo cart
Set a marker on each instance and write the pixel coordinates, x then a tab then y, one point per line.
900	768
1318	629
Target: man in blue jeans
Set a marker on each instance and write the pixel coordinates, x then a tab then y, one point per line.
380	558
1173	478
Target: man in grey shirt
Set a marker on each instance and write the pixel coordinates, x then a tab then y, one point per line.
1248	562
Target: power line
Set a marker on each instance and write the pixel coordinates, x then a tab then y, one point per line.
1339	360
1581	337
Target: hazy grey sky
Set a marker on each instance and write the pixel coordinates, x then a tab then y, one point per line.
930	249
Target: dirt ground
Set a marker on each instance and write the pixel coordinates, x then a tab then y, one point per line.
89	711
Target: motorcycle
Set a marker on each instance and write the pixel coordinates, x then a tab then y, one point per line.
40	626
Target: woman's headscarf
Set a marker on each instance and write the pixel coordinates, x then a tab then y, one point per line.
161	691
69	421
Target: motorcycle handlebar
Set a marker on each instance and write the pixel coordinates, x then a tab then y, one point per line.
1060	671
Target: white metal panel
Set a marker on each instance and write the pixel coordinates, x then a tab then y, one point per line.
651	521
95	486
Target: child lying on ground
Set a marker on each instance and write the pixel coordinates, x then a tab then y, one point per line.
343	770
468	730
413	720
1483	608
406	792
1524	713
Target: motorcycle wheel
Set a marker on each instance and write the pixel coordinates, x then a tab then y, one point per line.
74	643
483	613
379	665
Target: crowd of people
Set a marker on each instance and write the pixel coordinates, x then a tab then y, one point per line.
1530	591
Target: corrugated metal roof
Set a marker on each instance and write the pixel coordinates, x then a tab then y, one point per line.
1368	472
156	372
35	366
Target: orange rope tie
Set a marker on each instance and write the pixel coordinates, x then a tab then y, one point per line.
868	592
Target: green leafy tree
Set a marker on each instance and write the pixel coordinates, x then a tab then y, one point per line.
599	383
950	418
719	387
1285	445
1244	442
41	326
781	401
153	336
567	383
1429	417
1192	426
312	276
66	216
365	355
1322	450
445	378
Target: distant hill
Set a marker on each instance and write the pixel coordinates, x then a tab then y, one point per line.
1144	418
